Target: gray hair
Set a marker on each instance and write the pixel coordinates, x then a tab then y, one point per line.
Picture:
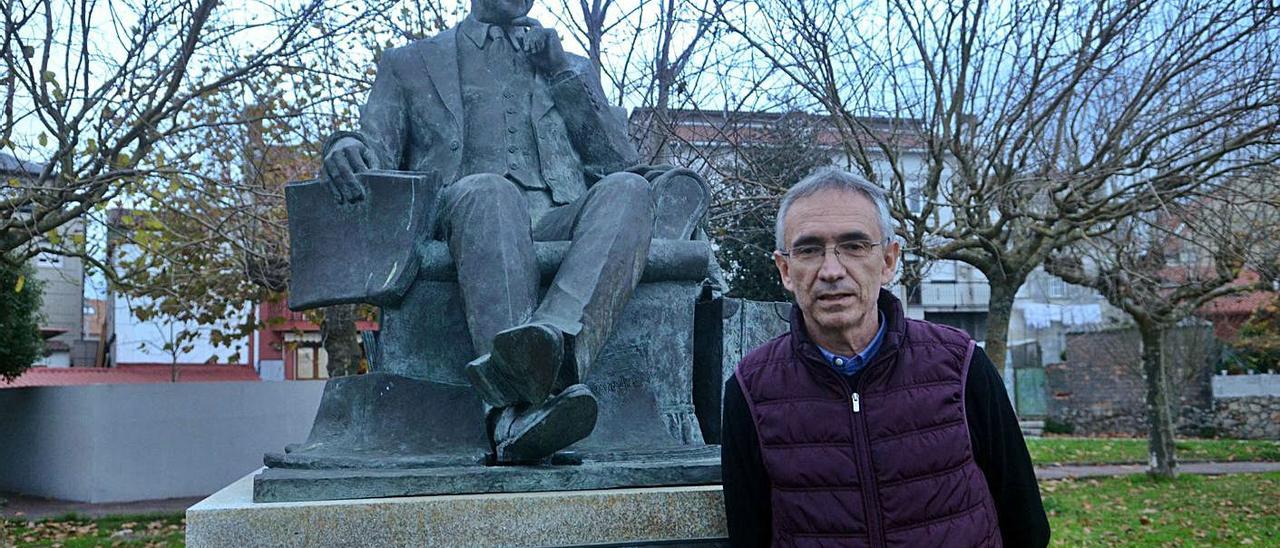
831	178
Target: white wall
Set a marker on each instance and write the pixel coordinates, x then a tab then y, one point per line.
1239	386
143	342
114	443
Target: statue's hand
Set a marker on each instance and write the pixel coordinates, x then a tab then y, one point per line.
346	159
542	45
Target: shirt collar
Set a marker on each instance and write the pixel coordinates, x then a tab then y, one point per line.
849	365
477	31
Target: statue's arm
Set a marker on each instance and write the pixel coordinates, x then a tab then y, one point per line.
383	123
598	131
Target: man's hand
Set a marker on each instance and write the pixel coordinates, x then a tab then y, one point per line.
542	45
346	159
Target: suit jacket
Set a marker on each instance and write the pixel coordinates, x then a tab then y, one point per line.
413	120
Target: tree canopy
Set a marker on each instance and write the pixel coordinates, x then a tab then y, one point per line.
20	341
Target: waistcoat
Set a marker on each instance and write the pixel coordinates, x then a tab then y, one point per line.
883	461
497	95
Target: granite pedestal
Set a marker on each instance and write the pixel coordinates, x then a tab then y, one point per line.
684	516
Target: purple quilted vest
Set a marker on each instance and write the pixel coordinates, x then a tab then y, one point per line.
887	462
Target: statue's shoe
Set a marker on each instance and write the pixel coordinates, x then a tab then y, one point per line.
682	198
522	366
525	434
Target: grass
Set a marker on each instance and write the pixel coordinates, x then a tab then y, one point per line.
1056	450
1235	510
74	531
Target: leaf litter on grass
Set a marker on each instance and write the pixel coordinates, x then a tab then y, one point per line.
1188	511
75	531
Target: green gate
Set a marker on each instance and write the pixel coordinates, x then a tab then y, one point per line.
1028	386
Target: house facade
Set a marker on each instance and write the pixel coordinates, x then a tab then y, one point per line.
62	278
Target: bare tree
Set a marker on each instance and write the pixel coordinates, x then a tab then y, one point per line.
214	222
95	91
1163	266
1021	128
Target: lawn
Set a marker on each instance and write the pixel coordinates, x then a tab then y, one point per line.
73	531
1056	450
1236	510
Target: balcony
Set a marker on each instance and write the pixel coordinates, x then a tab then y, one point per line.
962	296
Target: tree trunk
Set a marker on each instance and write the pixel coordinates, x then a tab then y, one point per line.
1159	415
338	335
999	311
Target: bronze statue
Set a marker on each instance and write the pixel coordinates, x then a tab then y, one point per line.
528	150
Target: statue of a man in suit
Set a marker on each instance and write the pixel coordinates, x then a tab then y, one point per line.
530	150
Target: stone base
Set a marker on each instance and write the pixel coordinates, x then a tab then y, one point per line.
622	517
689	467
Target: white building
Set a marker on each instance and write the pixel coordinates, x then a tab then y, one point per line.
158	340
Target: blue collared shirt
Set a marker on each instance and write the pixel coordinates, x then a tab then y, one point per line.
848	365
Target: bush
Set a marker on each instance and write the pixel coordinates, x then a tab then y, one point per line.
1257	345
20	341
1055	426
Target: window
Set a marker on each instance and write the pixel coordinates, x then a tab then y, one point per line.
1057	287
311	363
49	260
915	201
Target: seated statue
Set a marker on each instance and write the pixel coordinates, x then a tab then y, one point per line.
528	150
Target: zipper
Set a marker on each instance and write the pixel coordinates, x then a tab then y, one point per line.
866	475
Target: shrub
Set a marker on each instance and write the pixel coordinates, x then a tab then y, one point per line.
1055	426
20	341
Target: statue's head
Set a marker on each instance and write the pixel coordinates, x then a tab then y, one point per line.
499	12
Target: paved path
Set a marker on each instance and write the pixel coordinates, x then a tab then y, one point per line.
20	506
1204	468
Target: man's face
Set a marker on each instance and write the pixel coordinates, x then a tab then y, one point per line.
836	294
499	12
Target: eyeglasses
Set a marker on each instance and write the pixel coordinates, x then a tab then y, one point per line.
812	255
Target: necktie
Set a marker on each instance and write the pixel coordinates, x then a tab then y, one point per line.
498	52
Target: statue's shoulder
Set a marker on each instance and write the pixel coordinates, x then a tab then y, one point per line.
417	48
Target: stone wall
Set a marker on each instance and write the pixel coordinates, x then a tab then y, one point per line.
1101	389
1248	418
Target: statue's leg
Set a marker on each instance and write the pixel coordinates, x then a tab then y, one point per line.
485	221
610	228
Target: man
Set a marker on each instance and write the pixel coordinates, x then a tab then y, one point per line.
862	427
529	151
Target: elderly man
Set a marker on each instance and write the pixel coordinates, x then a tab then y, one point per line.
529	150
860	426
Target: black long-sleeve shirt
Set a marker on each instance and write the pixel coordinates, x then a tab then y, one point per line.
998	448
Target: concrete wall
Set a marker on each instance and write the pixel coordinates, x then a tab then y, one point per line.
1239	386
112	443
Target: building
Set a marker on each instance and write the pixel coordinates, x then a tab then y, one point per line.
290	345
62	278
158	339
